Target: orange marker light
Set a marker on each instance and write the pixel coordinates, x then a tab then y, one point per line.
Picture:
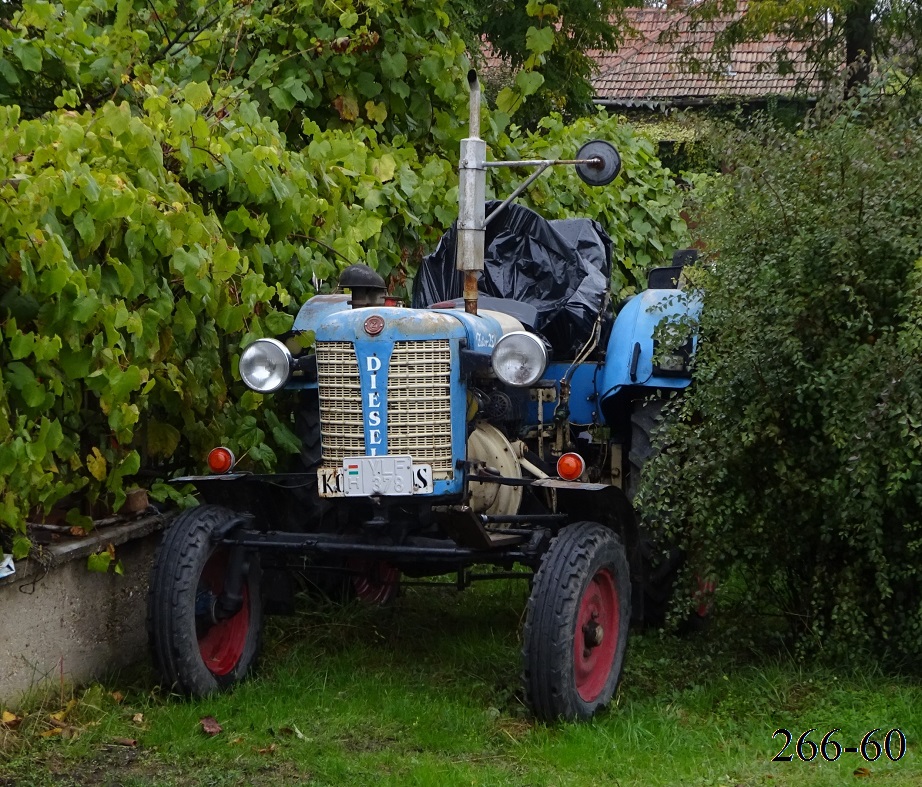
221	460
570	466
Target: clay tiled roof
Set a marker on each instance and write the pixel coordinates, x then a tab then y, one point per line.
649	66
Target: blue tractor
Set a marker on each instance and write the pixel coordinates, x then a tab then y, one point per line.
500	422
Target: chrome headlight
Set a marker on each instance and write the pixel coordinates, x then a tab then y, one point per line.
266	365
519	359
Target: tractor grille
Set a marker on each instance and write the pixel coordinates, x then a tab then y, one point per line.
418	403
342	423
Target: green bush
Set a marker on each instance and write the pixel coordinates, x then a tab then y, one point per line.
146	239
795	466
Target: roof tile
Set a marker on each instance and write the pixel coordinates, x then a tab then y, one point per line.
650	65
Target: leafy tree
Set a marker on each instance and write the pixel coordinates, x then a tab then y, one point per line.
387	65
854	34
381	64
547	46
793	473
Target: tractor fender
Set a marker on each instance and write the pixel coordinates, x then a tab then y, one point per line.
602	503
629	356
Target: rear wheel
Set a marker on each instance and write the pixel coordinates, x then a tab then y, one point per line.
307	428
374	582
576	625
199	645
342	580
660	566
645	417
323	574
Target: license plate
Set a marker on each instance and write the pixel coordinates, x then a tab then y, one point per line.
363	476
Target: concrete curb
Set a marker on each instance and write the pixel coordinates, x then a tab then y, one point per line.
61	621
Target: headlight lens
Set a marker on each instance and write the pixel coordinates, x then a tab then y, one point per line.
266	365
519	359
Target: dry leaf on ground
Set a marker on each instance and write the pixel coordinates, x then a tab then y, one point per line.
210	725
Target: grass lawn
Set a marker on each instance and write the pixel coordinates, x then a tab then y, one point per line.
425	692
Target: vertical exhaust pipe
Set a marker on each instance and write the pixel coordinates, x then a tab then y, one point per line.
472	185
473	123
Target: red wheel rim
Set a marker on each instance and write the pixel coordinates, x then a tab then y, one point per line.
596	639
705	595
221	646
375	581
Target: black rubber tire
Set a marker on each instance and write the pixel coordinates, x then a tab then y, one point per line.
660	567
584	561
186	564
307	428
645	416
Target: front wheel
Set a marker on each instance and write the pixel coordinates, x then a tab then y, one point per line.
202	641
576	625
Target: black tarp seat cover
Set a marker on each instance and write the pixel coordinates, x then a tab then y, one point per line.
561	267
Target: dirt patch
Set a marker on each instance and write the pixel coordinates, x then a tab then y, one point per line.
128	767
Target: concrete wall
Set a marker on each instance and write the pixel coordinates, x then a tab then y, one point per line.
62	617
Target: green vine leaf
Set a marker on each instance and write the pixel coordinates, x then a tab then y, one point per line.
22	546
539	40
162	438
99	562
528	82
96	464
198	94
29	55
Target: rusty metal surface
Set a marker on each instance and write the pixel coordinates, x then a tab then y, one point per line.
470	292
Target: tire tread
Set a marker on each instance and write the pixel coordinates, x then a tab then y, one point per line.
552	606
174	579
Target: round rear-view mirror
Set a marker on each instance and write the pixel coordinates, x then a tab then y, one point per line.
604	164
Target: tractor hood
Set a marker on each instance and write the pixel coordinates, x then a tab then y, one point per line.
331	318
